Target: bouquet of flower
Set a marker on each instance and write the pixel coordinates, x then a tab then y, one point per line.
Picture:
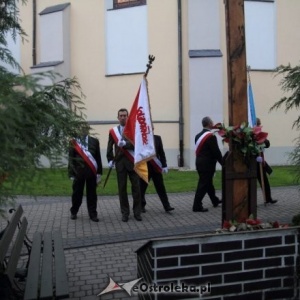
248	140
249	224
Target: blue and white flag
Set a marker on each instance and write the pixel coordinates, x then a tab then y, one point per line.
251	107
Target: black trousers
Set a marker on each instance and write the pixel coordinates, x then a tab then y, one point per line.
88	179
159	185
205	185
123	173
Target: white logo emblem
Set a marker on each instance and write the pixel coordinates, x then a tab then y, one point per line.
113	286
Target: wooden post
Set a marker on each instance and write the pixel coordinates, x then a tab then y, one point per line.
239	179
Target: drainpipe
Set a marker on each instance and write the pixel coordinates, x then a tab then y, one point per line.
180	157
34	33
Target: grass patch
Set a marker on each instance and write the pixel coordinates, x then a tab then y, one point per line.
55	182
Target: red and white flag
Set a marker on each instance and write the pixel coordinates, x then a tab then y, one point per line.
138	130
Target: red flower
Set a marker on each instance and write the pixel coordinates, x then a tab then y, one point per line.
222	132
260	137
218	126
256	129
253	221
226	224
246	139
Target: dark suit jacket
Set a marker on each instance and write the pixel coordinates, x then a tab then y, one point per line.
266	167
209	155
77	164
116	154
159	149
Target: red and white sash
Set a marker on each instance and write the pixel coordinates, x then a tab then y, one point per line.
201	140
117	137
156	163
86	156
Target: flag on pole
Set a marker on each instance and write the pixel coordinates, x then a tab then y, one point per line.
251	106
138	130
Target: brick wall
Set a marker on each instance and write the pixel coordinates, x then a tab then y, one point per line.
260	264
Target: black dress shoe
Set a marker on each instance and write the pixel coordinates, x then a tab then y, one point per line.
73	217
169	208
217	203
94	219
200	210
272	201
138	218
124	218
143	210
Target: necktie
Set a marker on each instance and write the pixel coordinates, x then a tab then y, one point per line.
84	142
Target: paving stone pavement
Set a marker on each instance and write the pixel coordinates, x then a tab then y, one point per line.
96	251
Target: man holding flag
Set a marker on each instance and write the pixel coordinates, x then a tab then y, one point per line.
120	153
262	167
134	146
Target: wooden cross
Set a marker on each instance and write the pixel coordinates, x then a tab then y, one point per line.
239	179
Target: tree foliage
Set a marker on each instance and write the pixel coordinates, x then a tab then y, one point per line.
9	24
290	84
35	120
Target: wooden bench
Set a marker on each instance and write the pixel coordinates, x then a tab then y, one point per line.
46	276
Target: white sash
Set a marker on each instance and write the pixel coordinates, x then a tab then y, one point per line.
86	155
117	137
201	140
156	163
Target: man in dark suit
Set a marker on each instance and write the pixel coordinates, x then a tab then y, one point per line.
207	155
156	167
264	168
85	168
120	153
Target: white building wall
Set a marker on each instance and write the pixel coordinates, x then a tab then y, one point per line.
204	78
126	37
51	37
206	72
260	30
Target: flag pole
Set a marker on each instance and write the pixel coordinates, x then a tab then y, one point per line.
251	105
248	96
108	174
260	163
248	73
149	66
